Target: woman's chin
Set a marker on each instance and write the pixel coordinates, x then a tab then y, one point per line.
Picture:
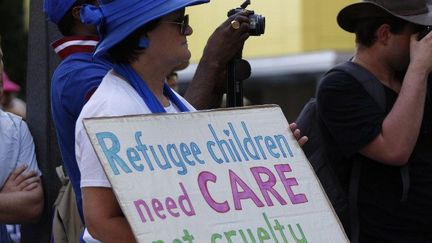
187	57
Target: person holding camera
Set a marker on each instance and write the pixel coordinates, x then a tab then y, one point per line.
79	74
393	206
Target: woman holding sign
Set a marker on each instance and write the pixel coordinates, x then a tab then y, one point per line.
146	39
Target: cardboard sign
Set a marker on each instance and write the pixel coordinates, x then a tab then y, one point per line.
234	175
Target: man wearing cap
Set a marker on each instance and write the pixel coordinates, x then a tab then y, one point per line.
388	46
21	196
79	74
74	80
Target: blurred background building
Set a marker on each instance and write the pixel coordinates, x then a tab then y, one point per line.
302	40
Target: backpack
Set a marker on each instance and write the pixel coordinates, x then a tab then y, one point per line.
344	202
67	225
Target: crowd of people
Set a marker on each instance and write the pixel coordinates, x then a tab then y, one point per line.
119	58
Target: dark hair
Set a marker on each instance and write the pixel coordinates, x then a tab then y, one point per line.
128	49
366	29
66	24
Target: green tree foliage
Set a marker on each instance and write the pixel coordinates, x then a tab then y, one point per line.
14	40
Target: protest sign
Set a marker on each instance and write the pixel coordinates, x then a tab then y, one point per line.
234	175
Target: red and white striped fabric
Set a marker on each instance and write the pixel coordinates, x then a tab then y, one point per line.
75	44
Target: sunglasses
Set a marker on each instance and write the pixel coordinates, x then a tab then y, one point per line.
184	24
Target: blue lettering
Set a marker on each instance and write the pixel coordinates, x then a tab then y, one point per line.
133	156
270	146
278	140
179	163
248	140
185	151
141	147
221	144
196	151
211	144
257	141
236	138
111	153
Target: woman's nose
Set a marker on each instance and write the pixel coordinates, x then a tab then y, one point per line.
189	31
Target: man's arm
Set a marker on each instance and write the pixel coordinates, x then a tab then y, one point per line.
20	180
21	206
104	219
401	127
21	197
208	85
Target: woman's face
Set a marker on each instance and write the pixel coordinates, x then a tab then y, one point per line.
166	41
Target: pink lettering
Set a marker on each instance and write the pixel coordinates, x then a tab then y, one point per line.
157	207
288	183
266	187
203	178
247	192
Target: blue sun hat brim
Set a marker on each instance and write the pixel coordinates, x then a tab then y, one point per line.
121	18
56	9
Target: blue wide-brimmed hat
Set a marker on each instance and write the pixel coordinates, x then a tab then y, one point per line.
117	19
56	9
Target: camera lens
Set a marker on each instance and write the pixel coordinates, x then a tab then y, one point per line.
257	24
423	32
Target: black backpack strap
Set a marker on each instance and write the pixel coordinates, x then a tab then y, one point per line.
369	82
404	171
353	200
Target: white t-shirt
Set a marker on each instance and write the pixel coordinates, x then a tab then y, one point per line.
114	97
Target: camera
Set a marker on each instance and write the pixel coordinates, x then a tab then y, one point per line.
257	22
423	32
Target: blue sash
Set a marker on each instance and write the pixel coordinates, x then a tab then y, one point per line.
127	72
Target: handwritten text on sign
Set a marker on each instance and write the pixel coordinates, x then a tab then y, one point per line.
223	176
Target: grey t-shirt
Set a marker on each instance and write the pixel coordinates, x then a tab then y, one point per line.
16	146
16	149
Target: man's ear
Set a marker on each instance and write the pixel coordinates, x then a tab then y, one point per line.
76	13
383	34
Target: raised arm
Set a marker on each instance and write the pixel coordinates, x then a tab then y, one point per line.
208	85
401	127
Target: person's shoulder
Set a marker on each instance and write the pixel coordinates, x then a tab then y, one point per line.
76	79
338	81
338	78
80	66
85	57
18	107
12	124
7	118
113	97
